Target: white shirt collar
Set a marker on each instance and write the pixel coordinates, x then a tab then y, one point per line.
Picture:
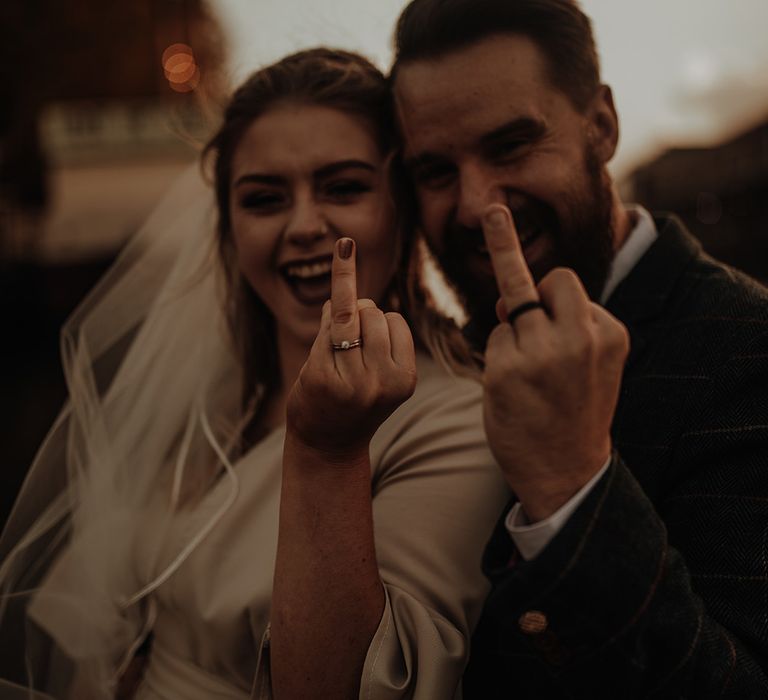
640	238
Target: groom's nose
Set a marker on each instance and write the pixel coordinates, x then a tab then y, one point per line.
478	188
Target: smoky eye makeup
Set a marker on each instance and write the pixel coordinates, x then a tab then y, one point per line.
346	188
259	200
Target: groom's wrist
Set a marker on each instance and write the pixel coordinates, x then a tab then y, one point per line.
541	498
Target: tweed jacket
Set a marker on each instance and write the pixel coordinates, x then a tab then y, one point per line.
657	586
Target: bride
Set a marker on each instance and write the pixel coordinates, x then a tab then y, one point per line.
248	494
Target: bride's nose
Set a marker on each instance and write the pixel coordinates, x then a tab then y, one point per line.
306	224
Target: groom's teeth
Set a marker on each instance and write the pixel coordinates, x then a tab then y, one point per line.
311	270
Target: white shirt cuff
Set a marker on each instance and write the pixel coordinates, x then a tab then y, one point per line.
530	539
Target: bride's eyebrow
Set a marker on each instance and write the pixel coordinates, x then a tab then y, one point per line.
323	172
334	168
259	179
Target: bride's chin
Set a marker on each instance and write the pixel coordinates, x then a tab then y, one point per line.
301	334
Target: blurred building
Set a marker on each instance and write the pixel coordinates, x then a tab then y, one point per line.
103	105
720	192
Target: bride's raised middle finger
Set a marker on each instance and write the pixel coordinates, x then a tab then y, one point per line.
345	331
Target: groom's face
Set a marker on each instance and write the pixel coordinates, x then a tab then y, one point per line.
484	124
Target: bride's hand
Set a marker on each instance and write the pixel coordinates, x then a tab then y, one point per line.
342	396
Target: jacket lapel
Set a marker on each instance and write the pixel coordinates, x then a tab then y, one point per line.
645	292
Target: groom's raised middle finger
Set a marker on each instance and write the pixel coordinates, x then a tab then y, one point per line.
514	279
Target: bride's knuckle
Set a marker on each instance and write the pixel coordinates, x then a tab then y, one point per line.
343	317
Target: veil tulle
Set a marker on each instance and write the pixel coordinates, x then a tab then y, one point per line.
153	414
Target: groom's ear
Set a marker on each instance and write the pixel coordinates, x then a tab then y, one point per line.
603	124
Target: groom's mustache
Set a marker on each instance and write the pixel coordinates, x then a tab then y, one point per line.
530	216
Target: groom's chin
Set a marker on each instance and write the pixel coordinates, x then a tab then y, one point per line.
477	287
478	297
479	327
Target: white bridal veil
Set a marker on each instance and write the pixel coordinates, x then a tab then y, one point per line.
154	401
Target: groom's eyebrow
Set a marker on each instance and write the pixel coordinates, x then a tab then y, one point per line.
523	128
422	160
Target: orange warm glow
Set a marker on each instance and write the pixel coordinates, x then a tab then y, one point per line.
189	84
180	68
175	49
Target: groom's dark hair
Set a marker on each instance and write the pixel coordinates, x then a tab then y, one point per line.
432	28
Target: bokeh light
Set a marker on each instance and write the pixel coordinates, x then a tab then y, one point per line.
180	68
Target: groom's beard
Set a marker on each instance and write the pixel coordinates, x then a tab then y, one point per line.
583	243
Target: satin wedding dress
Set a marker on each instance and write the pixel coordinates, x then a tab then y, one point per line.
112	540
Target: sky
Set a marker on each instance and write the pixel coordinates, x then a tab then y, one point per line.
683	72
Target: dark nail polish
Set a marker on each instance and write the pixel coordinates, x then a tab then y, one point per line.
346	246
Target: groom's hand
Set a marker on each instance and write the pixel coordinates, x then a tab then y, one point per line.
552	376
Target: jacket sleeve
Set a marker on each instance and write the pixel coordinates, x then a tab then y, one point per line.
663	596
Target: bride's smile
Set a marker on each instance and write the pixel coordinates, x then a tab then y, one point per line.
302	177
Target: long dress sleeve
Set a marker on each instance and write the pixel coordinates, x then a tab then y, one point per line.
436	495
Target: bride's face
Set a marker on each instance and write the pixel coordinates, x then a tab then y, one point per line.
302	177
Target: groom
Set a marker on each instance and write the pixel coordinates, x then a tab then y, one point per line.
633	560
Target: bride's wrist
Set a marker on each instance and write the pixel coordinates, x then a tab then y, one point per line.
340	456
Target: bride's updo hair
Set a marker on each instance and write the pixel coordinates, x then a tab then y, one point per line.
353	85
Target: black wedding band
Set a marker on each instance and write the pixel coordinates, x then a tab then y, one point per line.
524	308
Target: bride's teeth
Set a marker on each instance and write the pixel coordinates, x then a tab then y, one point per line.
311	270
